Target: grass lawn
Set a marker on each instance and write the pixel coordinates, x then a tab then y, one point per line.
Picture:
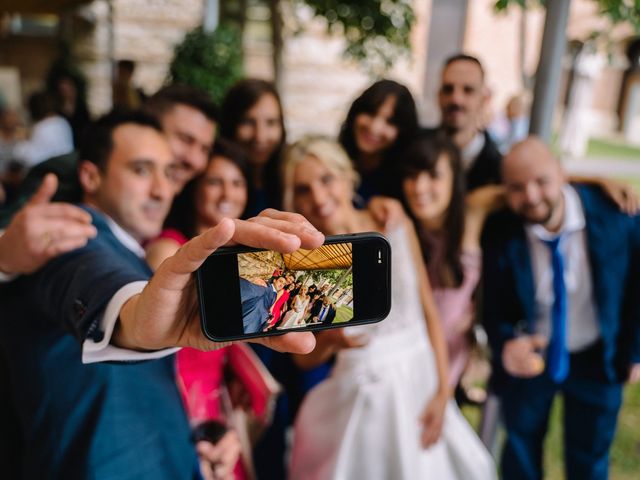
611	149
625	453
343	314
604	148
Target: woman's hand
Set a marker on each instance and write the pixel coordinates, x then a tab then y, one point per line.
432	419
622	194
217	461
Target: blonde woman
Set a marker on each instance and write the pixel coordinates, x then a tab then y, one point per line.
385	411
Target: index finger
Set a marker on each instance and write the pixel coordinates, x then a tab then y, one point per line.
286	216
283	237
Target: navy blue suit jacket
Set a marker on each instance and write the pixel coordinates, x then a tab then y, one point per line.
104	420
613	242
328	317
256	302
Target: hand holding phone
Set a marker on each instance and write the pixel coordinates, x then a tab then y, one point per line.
244	293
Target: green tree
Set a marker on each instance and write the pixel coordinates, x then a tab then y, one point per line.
618	11
211	61
377	32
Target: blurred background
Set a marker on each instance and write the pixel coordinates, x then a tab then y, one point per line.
569	69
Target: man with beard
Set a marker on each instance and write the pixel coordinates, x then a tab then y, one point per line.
561	282
462	97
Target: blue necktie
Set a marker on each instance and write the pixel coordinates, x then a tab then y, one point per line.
557	353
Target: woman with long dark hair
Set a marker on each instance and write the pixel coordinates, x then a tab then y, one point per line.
379	124
252	116
448	223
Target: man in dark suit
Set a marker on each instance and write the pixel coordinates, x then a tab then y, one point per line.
561	283
462	97
117	420
323	312
257	301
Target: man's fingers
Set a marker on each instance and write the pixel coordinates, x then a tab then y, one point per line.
63	211
255	234
539	341
293	342
285	216
309	237
46	190
57	230
65	245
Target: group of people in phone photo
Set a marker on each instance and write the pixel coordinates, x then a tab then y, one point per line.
288	300
100	294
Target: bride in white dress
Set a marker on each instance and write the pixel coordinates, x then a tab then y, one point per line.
385	412
295	316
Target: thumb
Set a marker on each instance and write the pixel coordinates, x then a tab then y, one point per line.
539	341
45	191
193	254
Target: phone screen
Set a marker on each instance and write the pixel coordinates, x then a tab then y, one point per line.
260	292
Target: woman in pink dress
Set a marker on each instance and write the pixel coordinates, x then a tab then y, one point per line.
277	310
449	226
221	191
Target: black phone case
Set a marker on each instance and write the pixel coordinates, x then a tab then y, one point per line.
351	237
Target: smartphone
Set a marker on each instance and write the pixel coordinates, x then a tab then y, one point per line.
248	293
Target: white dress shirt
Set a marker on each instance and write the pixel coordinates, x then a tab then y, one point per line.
50	137
103	350
469	153
582	321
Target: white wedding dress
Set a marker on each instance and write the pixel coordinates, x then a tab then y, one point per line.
294	316
363	421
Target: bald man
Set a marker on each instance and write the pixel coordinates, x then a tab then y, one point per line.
562	278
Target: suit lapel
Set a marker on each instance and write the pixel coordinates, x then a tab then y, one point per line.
107	236
600	246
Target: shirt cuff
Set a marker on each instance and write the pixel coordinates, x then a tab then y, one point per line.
7	277
104	351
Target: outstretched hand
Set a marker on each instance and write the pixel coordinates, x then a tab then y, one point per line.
42	230
165	314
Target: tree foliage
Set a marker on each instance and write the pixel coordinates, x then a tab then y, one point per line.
377	32
618	11
211	61
332	276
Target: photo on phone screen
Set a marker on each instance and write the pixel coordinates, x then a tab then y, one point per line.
290	291
245	292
